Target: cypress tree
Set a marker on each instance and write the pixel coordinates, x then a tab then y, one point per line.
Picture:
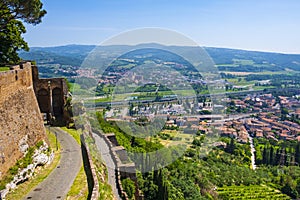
297	154
272	156
277	157
266	156
230	148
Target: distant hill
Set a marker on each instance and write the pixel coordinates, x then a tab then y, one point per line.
263	61
225	59
64	55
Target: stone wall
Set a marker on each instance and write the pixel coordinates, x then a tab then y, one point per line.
51	94
125	168
21	124
95	192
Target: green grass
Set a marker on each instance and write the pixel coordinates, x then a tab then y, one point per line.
76	89
105	190
122	97
177	138
128	66
74	133
243	62
2	69
105	99
262	87
40	176
250	192
79	189
242	81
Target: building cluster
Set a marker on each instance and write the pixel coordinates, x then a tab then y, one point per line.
235	129
269	121
263	118
271	127
88	73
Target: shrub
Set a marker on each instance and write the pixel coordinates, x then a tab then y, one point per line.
39	144
129	187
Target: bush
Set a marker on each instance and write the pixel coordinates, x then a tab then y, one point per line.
39	144
13	170
129	187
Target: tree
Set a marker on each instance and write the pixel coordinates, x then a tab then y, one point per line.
284	112
231	147
12	13
266	156
272	157
30	11
129	187
11	41
277	157
297	153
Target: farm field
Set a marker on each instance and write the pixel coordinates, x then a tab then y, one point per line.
173	137
250	192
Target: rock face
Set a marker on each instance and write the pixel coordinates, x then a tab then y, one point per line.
21	124
23	145
40	157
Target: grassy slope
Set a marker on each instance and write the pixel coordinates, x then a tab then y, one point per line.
40	176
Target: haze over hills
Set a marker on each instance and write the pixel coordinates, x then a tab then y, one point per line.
226	59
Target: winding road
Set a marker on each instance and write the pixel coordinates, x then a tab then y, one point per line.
60	180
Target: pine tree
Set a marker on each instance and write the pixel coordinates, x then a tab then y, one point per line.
12	15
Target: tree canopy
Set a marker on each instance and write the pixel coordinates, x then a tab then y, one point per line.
12	14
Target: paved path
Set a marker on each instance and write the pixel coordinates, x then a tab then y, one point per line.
58	183
252	151
107	158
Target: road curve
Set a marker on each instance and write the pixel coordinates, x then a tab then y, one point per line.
60	180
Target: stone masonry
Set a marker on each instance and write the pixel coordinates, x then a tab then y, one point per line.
21	124
51	95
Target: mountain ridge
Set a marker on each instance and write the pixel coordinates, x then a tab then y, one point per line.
228	59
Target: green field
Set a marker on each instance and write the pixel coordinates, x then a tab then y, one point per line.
4	69
240	81
176	138
250	192
75	88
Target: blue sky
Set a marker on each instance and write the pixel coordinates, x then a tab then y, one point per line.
264	25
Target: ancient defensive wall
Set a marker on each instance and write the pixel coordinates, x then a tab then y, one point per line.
21	124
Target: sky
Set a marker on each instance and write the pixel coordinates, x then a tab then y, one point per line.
262	25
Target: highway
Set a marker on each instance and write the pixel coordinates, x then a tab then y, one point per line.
126	103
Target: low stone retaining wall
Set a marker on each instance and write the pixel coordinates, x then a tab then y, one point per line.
95	192
116	161
122	170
